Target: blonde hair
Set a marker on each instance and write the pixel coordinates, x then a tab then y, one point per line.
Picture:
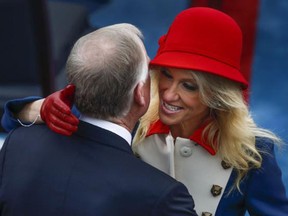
152	113
232	130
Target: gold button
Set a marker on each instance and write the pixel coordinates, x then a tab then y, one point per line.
216	190
225	165
206	214
137	155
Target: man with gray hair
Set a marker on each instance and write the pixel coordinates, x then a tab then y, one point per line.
94	171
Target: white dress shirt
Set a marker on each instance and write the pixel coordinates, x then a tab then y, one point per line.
110	126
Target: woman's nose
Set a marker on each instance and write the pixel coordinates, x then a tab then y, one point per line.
171	93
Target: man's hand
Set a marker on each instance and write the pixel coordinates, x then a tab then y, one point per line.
56	111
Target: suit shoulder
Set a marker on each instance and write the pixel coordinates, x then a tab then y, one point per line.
161	180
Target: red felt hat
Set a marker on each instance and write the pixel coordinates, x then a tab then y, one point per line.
203	39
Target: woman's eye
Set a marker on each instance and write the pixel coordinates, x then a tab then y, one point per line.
166	73
190	86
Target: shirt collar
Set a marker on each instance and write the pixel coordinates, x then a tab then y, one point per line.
160	128
114	128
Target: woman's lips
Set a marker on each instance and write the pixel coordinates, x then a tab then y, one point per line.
171	109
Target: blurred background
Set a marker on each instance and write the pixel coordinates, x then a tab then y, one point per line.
36	37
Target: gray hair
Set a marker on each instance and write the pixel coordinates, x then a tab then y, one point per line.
105	66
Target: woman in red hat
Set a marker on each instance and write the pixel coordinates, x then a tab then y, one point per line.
198	128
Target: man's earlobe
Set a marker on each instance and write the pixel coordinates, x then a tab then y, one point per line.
139	94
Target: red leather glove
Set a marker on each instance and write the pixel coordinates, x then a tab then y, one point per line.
56	111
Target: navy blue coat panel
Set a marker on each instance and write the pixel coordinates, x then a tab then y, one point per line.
92	172
263	191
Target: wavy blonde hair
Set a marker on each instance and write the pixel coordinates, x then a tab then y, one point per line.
232	130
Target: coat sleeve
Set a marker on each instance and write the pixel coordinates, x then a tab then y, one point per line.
9	122
176	201
265	189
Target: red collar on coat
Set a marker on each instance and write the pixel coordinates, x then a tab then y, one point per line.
159	128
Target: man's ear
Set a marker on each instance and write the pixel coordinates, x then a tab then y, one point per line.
139	94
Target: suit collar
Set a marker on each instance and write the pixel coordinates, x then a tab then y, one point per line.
110	126
102	136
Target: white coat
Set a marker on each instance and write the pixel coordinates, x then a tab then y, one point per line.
194	163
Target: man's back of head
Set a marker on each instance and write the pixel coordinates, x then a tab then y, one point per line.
105	66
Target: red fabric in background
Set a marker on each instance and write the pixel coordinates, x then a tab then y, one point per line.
245	13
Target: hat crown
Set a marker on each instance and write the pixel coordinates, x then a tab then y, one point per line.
206	32
205	40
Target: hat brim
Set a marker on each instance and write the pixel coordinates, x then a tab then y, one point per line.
200	63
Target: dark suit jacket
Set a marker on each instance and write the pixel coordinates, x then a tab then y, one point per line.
93	172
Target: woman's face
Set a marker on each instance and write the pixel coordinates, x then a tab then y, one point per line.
180	103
